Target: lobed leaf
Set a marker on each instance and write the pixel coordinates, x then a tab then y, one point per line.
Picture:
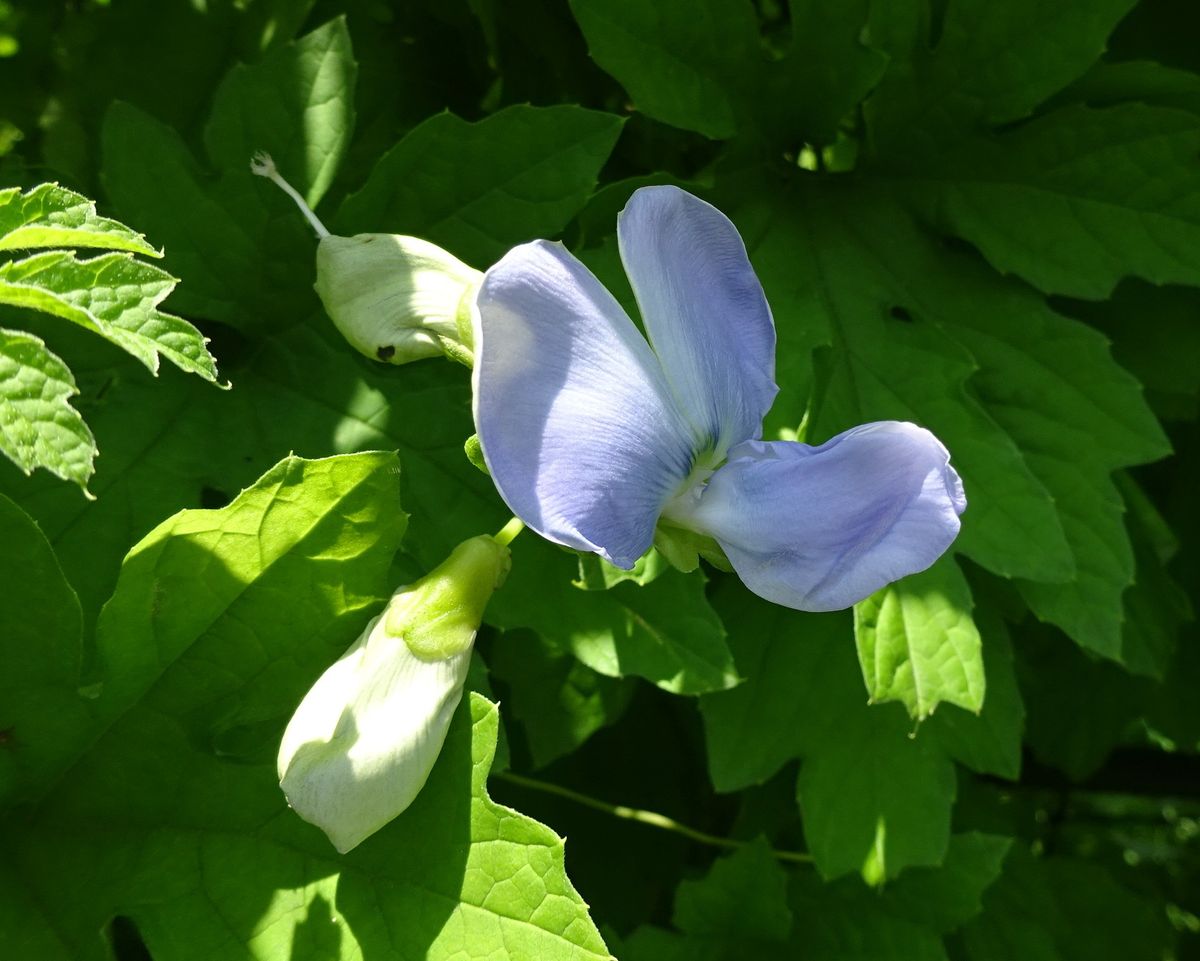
983	64
874	799
52	216
1035	439
917	643
907	921
891	304
988	742
738	909
38	425
479	188
41	628
113	295
559	701
1066	910
664	631
242	245
1114	192
705	66
307	84
220	621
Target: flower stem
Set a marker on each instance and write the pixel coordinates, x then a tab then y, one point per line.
262	165
652	818
509	531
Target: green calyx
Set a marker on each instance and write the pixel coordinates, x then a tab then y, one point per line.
683	548
438	616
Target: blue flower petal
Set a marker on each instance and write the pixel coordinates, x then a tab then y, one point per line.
819	528
704	311
574	416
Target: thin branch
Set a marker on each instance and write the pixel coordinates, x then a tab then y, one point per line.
652	818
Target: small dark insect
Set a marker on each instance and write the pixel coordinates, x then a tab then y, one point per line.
385	352
901	313
6	737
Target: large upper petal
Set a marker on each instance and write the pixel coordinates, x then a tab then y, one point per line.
578	428
704	311
819	528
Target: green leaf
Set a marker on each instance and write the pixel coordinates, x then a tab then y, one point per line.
1154	336
38	425
664	631
1144	81
305	85
802	698
596	574
742	896
1156	606
158	456
52	216
1057	909
115	296
917	643
675	60
874	798
219	623
756	728
704	66
244	255
27	932
173	81
1036	440
739	909
854	929
1077	423
945	898
558	701
990	63
308	390
1071	173
1173	712
186	589
1078	708
478	189
40	632
892	303
988	742
173	443
846	921
218	249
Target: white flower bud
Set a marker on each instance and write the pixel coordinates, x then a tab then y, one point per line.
394	298
397	298
363	741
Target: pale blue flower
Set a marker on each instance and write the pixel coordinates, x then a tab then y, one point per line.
592	434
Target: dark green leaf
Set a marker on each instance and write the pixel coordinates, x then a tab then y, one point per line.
559	701
479	188
40	627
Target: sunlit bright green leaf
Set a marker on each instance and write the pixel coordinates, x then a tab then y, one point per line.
917	643
52	216
38	425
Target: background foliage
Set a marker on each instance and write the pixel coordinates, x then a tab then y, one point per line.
983	217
